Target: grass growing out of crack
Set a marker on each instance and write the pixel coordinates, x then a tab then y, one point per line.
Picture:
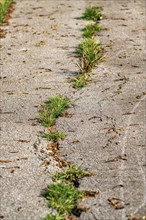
52	109
90	53
90	30
72	174
92	13
80	81
54	217
54	136
4	6
88	48
63	197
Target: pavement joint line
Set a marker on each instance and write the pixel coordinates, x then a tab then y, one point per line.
122	167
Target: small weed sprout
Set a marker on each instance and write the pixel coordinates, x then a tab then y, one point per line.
54	136
80	81
4	6
92	13
63	197
90	30
52	109
72	174
54	217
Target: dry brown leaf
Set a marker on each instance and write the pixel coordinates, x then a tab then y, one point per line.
54	147
116	203
122	157
23	141
91	193
22	158
5	161
52	129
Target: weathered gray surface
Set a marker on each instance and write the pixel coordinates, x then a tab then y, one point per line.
108	116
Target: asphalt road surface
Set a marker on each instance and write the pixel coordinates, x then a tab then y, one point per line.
106	132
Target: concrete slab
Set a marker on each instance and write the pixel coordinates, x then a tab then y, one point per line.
108	116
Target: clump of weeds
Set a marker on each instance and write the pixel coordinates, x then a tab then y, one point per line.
54	217
63	197
90	30
90	53
52	109
89	48
93	13
4	6
55	136
72	174
80	81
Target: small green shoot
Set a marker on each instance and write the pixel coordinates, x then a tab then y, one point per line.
4	6
63	197
80	81
52	109
90	52
54	217
54	136
92	13
72	174
90	30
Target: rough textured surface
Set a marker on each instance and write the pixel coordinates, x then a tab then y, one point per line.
108	116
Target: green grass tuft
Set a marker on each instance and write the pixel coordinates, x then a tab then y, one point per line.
63	197
92	13
54	136
90	53
80	81
72	174
88	48
52	109
90	30
54	217
4	6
